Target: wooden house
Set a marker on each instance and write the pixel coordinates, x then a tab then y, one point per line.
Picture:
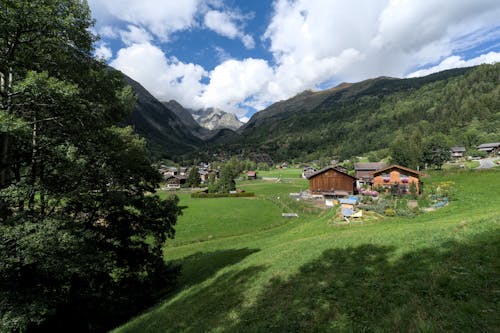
251	175
397	179
364	171
457	152
492	148
174	182
331	181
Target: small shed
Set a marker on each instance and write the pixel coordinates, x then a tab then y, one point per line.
331	180
251	175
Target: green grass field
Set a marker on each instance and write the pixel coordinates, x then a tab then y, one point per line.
281	173
258	272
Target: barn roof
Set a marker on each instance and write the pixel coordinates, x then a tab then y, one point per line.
329	168
458	149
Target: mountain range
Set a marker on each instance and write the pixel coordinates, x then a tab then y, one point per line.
462	105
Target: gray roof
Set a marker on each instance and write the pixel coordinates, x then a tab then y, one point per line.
489	145
457	149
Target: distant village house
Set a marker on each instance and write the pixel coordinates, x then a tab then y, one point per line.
251	175
457	152
492	148
364	171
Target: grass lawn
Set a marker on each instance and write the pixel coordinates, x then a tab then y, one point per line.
439	271
281	173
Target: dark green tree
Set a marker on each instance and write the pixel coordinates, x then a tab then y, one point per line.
80	237
193	179
435	151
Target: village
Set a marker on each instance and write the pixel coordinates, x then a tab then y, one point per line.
365	187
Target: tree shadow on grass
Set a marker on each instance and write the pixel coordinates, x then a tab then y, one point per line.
453	287
204	308
200	266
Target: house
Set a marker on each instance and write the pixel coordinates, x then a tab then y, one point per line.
183	171
175	182
457	152
330	181
397	179
364	170
492	148
308	171
251	175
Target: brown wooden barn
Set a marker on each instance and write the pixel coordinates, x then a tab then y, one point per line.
331	181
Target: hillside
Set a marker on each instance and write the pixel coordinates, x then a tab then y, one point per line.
165	132
433	272
353	119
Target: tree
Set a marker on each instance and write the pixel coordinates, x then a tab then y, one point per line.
435	151
80	237
193	179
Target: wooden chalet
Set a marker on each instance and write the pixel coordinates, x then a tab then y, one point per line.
364	171
397	179
251	175
175	182
331	181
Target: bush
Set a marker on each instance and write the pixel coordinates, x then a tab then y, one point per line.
389	212
222	195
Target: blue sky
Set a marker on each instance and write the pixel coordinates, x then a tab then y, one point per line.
242	56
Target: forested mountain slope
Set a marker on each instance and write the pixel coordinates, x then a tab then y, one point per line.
165	132
352	119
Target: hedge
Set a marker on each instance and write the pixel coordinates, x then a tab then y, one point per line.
222	195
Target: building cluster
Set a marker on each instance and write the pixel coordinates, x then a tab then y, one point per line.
175	177
336	182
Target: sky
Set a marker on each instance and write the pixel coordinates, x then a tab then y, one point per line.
243	55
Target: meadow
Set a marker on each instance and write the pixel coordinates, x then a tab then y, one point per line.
247	269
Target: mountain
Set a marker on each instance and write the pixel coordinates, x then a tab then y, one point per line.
166	133
213	135
353	119
213	118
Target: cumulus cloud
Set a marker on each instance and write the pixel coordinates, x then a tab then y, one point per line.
135	35
457	62
225	24
311	42
160	17
389	37
165	78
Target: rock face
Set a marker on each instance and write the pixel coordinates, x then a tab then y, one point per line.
213	118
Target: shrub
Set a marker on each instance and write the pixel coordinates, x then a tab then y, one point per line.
389	212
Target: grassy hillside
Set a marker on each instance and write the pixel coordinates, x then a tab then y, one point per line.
435	272
462	104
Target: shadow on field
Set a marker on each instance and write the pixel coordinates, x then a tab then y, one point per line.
205	308
455	287
198	267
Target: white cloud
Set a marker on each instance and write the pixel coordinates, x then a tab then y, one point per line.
244	119
311	42
225	24
103	52
457	62
135	35
165	78
161	18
